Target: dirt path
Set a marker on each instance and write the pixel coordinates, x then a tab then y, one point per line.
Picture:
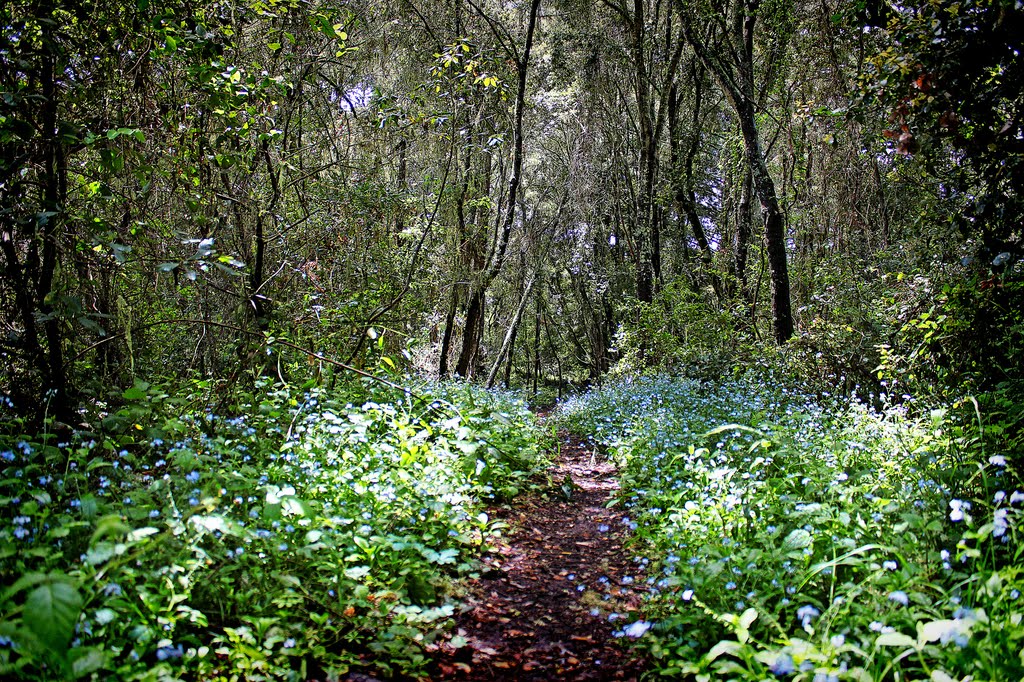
559	588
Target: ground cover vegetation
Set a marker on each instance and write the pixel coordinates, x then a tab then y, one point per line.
290	534
805	536
260	260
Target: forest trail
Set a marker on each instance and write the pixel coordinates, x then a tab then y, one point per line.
559	586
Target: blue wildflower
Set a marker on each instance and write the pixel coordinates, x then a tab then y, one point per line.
1000	523
167	652
637	629
783	665
899	597
807	613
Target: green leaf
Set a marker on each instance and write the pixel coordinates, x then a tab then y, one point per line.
140	533
90	507
134	393
293	506
104	616
211	523
100	554
895	639
444	557
357	572
51	612
729	428
935	630
722	648
288	580
110	525
22	583
798	539
86	661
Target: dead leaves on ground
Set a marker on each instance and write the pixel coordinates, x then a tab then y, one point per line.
541	608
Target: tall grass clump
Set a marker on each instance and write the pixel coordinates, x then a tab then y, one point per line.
289	534
814	538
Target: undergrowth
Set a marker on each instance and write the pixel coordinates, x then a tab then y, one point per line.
814	538
291	533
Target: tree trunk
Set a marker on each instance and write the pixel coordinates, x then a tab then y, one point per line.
54	195
741	244
536	345
402	187
496	257
471	335
510	335
733	68
507	380
774	228
683	192
446	338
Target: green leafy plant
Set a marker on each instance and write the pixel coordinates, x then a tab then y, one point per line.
811	537
303	530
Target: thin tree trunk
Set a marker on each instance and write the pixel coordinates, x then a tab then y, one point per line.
473	331
54	194
510	360
741	248
446	338
882	204
734	71
684	193
403	185
774	230
643	256
536	344
554	351
510	335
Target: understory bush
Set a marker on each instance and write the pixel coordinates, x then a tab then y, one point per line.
292	533
815	538
678	332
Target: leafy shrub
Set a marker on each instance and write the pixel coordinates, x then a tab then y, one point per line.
679	332
312	530
966	336
811	538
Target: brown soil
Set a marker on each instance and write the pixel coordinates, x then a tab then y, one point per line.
555	589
